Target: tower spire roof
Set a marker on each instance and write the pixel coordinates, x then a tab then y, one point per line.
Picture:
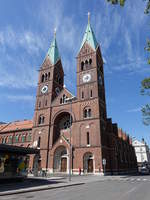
53	52
89	36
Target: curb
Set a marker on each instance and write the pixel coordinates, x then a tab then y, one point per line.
37	189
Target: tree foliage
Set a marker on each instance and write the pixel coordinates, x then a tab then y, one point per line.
122	2
145	90
146	114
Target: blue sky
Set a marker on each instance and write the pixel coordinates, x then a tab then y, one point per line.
26	31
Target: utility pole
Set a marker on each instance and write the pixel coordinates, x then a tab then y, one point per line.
70	143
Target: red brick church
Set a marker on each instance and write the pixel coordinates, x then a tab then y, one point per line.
73	131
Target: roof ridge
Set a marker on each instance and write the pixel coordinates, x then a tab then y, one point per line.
5	126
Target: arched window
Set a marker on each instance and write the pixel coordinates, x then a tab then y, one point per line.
87	113
42	79
91	93
23	138
90	61
41	119
39	104
6	139
63	99
19	138
10	139
58	78
16	138
82	66
29	137
48	75
88	138
67	124
2	140
82	95
39	142
39	122
86	63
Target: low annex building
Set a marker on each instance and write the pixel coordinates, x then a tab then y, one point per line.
61	119
142	152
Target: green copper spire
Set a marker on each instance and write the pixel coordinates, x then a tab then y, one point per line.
53	52
89	36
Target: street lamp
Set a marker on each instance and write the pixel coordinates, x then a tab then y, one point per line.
70	144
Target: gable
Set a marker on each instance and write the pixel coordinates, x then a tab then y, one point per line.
46	62
61	97
86	49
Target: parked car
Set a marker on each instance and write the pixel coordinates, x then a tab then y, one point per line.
144	170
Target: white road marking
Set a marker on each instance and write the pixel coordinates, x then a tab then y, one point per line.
128	192
144	179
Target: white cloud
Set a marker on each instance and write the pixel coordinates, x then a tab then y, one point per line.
134	110
15	98
17	73
107	24
31	42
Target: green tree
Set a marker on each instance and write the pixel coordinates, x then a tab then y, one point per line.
145	84
145	90
122	2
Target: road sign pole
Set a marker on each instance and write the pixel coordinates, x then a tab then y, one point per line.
104	165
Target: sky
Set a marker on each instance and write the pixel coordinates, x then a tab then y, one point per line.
26	31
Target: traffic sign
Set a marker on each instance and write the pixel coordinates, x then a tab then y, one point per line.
104	161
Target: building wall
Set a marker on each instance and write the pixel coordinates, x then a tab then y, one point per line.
141	151
93	136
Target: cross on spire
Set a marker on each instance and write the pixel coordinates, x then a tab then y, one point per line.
54	32
89	17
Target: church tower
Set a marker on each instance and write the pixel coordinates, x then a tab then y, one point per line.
50	84
90	74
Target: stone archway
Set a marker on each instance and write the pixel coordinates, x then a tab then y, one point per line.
36	164
62	124
88	163
60	160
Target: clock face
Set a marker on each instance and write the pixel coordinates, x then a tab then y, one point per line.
86	78
44	89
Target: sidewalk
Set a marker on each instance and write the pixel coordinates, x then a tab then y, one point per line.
33	184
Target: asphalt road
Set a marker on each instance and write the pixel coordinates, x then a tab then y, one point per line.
129	188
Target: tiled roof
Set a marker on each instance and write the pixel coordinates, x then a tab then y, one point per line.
17	125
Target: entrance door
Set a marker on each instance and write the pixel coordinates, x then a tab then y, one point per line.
63	164
90	165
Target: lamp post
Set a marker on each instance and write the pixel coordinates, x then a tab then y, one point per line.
70	144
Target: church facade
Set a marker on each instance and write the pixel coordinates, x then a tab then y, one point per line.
73	132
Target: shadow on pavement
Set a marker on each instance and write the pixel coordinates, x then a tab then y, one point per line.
10	184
